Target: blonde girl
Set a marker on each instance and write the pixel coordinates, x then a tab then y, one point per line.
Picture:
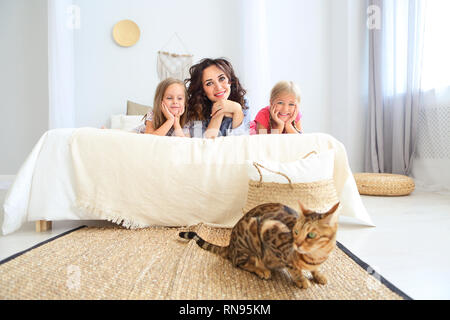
168	117
283	114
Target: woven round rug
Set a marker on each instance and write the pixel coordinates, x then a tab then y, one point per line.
384	184
154	263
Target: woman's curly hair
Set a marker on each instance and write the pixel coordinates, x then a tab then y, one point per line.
199	106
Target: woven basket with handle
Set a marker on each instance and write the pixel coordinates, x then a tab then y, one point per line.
318	196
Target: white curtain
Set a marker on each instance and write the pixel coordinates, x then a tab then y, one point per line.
63	19
409	107
396	53
432	158
256	72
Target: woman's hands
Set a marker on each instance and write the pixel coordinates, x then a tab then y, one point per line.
221	109
225	107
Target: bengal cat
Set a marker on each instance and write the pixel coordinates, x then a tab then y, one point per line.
273	236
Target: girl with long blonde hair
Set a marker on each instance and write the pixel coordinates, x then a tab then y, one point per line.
168	117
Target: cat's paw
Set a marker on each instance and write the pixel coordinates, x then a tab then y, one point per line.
264	274
320	278
303	283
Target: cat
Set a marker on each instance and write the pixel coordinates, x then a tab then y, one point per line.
274	236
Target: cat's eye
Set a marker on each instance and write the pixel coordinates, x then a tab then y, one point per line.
311	235
296	232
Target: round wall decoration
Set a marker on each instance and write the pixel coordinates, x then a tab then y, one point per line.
126	33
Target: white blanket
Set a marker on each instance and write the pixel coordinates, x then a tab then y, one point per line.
142	180
44	188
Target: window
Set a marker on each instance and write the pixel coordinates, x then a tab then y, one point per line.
436	51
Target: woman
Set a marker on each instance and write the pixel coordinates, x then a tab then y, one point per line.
216	100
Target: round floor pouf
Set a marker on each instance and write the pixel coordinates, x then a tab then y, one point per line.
384	184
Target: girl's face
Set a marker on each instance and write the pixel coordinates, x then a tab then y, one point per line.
284	106
216	84
174	99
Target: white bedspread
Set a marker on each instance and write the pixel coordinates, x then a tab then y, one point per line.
44	188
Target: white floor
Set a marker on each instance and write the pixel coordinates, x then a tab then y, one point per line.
409	247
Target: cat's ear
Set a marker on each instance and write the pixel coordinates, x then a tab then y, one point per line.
303	210
329	217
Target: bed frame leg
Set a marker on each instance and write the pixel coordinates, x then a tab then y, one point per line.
43	225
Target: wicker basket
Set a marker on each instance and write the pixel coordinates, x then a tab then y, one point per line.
384	184
318	196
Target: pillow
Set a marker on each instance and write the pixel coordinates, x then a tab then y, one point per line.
309	181
316	167
123	122
136	109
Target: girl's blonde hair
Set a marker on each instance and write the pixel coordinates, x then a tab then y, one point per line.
158	116
284	87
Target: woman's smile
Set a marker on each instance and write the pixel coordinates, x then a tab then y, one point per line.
220	95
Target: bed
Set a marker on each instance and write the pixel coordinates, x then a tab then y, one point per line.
208	187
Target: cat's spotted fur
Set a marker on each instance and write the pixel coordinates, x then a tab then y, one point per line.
273	236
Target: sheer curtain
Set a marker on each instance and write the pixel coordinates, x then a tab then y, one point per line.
432	158
63	19
256	73
395	69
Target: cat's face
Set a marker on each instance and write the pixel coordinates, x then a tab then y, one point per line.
314	231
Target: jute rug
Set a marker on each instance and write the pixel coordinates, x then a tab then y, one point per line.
153	263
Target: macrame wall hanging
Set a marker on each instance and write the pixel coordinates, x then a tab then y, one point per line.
174	65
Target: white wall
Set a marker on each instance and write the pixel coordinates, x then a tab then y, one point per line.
23	80
318	44
349	77
299	49
107	74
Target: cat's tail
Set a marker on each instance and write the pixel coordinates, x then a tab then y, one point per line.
221	251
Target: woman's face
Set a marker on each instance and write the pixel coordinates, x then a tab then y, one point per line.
284	106
174	99
216	84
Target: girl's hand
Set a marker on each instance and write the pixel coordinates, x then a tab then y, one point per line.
169	116
279	124
291	125
294	115
176	123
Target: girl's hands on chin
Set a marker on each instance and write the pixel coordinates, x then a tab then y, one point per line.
177	119
294	115
279	124
169	116
291	124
